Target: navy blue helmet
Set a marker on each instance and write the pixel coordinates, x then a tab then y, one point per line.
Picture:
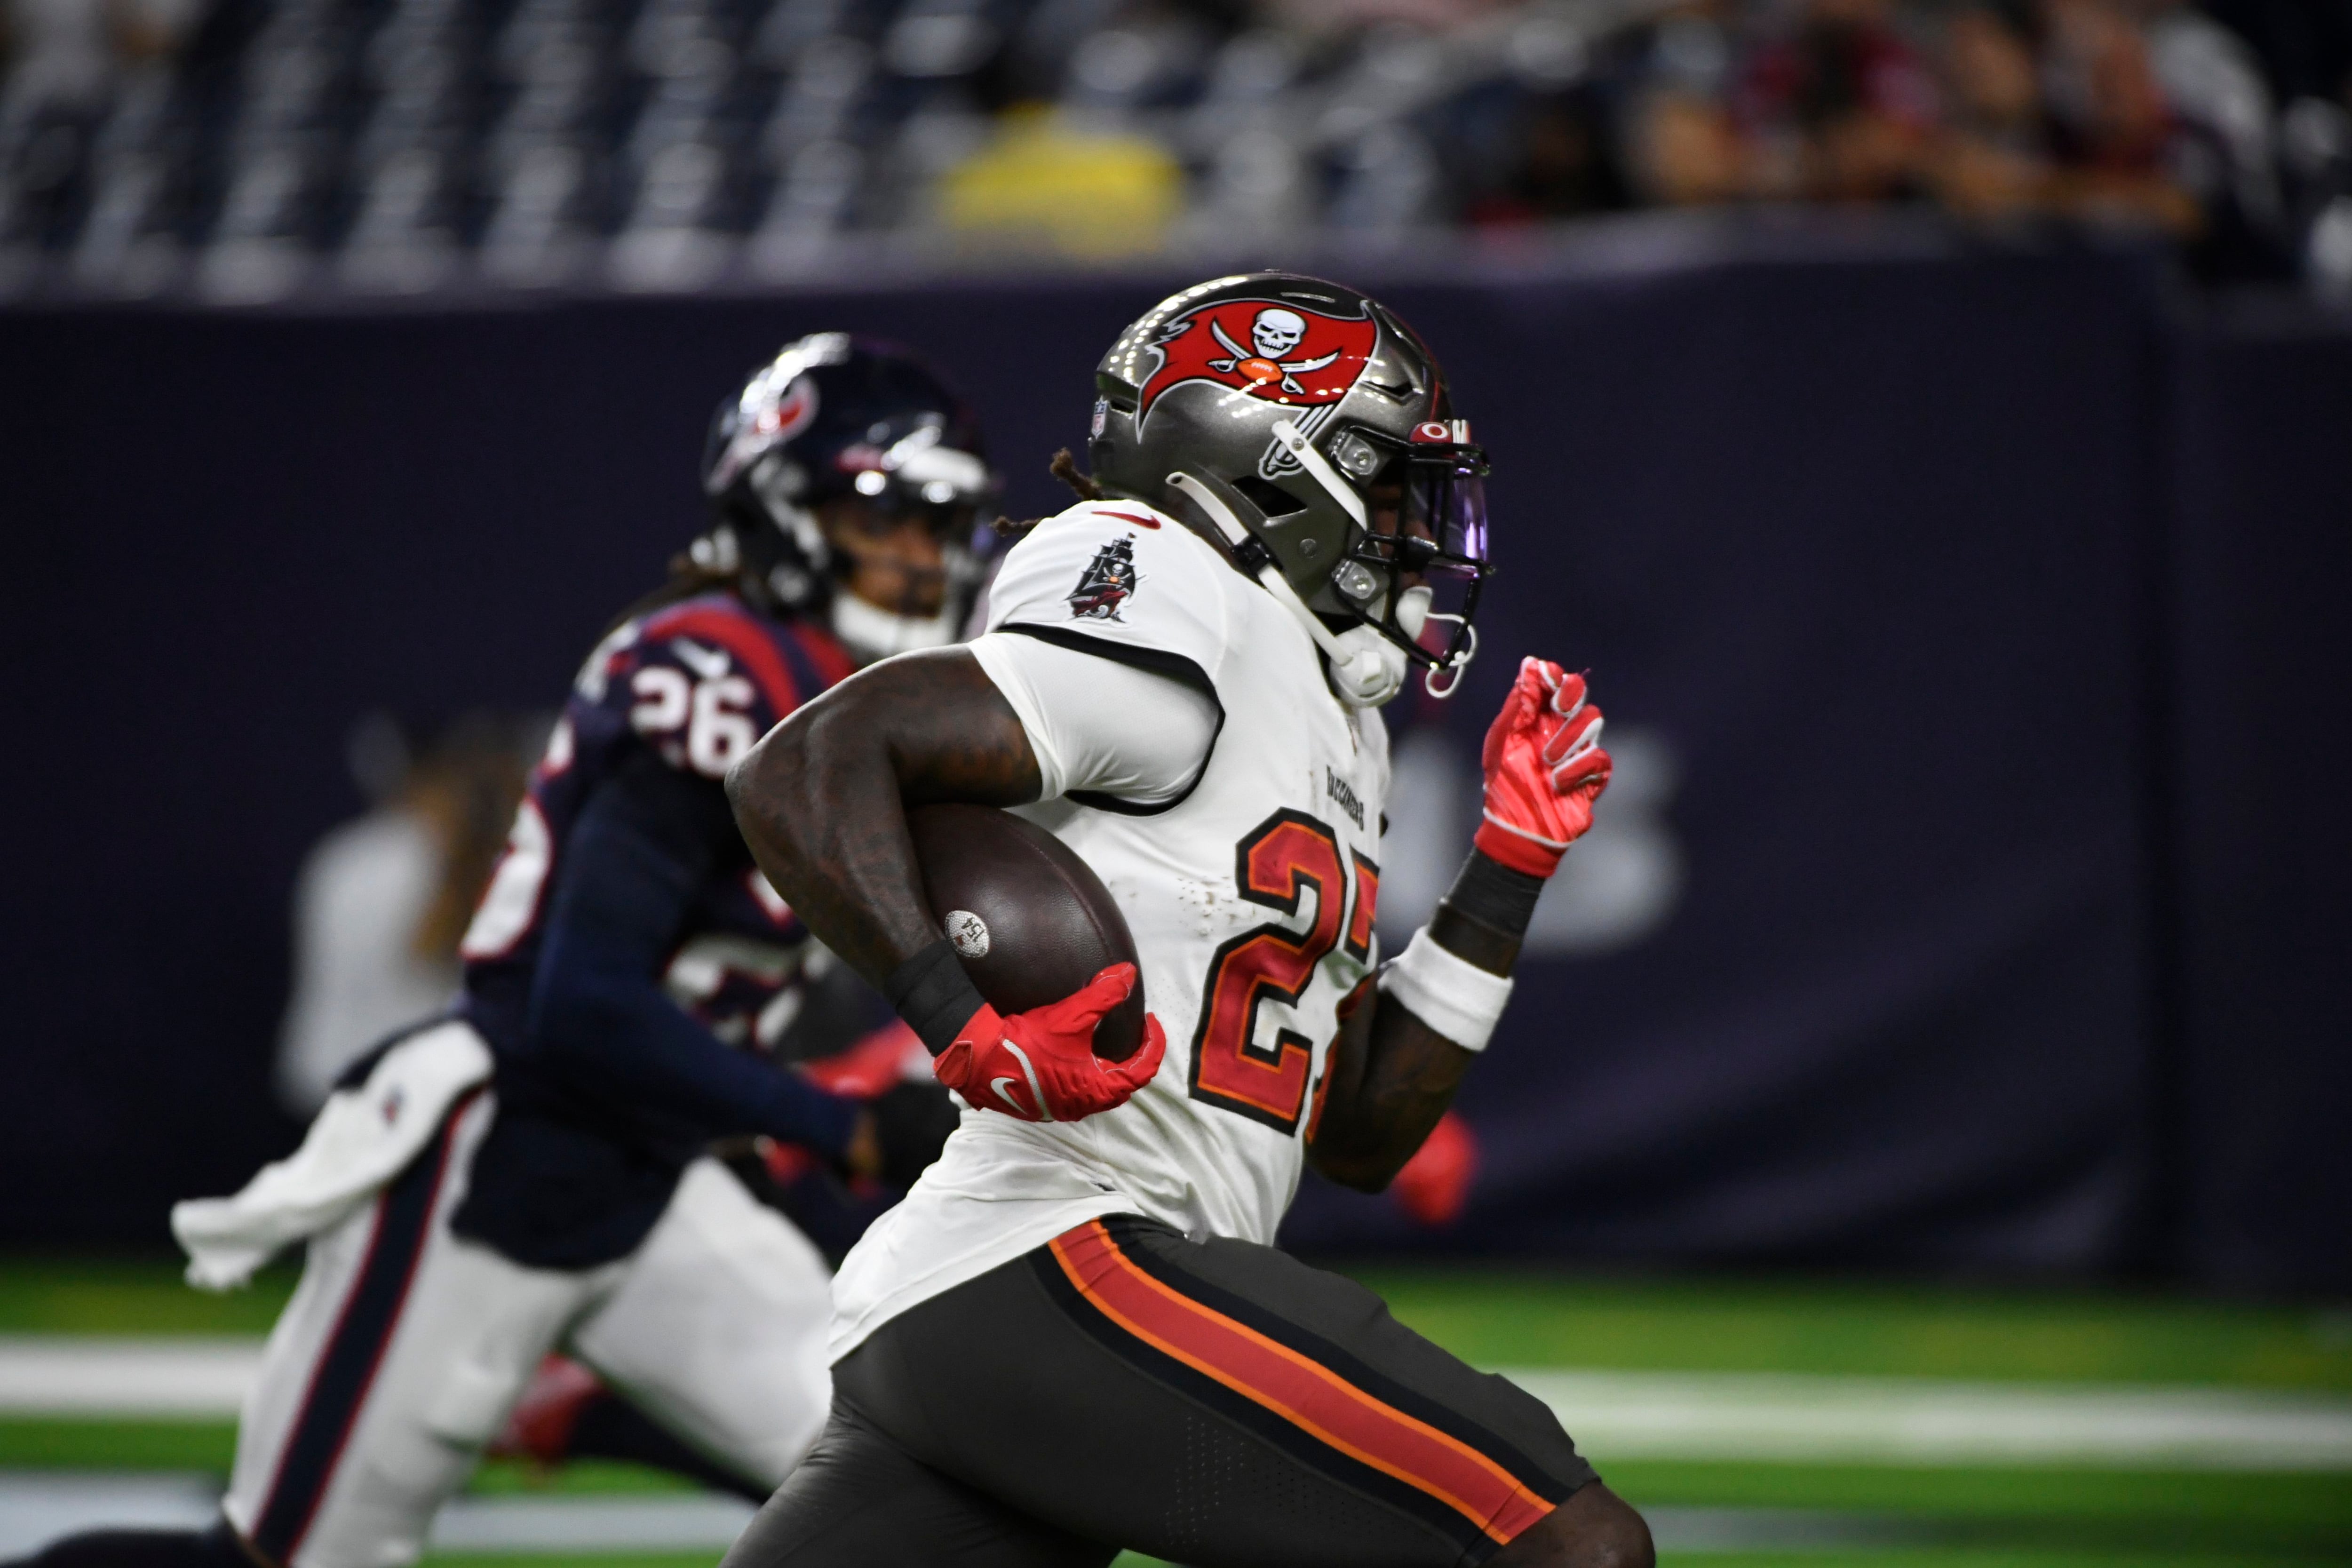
834	416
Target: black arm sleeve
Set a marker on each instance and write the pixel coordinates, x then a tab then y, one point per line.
642	846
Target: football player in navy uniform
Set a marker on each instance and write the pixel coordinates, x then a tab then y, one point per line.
534	1172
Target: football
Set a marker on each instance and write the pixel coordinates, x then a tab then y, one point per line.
1030	920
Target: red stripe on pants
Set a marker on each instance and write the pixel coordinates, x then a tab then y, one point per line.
1301	1390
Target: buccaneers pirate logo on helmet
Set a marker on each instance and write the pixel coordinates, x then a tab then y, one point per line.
1263	348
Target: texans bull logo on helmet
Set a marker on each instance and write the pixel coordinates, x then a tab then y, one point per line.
1260	348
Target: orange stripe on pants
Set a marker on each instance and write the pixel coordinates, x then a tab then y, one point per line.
1301	1390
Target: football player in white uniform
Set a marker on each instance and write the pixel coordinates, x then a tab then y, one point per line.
1076	1334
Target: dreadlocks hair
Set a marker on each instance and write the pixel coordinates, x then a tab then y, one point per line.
1064	467
702	568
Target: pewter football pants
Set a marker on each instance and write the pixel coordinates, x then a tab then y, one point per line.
1215	1403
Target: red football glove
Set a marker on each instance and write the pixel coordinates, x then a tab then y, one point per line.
1544	768
1040	1066
1434	1186
874	1064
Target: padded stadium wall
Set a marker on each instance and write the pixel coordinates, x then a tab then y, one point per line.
1985	608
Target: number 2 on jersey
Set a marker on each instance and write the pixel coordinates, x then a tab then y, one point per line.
1288	853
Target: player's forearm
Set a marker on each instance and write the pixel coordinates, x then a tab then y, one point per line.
818	803
822	800
626	1042
1394	1073
641	847
1392	1077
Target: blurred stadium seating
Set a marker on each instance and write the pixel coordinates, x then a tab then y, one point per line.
249	150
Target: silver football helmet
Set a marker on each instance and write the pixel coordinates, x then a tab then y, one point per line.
1313	429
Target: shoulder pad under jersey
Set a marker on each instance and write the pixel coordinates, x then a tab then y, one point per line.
1118	572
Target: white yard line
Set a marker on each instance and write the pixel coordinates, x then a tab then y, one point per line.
1613	1415
57	1375
36	1509
592	1524
1806	1419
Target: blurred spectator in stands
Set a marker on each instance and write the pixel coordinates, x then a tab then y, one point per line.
1840	108
407	143
2091	107
1673	76
1543	156
382	899
1993	155
1538	137
2113	126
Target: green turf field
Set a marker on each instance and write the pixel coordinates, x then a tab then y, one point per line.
1905	1517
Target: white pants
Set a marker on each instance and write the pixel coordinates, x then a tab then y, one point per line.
405	1347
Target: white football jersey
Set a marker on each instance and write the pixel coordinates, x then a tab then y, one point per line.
1251	899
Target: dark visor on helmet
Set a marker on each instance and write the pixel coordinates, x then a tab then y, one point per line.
1429	530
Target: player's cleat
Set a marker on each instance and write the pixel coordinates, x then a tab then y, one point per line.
540	1427
1040	1066
1544	770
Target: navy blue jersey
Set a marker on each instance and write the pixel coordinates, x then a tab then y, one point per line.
628	964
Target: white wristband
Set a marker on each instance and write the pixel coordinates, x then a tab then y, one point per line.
1446	991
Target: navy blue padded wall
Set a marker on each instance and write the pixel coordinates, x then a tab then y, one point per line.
2260	749
1863	538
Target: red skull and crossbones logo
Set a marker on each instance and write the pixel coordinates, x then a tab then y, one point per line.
1291	354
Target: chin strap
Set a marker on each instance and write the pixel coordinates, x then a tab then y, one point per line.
873	633
1367	669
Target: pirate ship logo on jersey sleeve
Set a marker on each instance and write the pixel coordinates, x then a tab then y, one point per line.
1259	349
1108	582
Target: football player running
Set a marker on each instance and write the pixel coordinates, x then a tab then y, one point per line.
534	1172
1075	1335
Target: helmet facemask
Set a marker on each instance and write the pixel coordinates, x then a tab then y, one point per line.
1416	569
951	497
1409	539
